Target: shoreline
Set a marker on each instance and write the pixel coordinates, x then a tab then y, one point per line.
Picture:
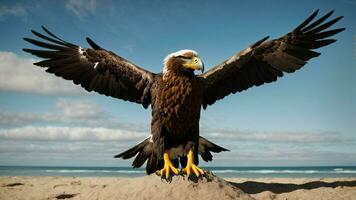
225	172
147	187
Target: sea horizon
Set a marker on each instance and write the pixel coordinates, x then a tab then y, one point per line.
222	171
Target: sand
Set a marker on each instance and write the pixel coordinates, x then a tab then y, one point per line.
297	188
152	187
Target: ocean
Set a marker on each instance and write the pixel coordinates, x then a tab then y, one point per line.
226	172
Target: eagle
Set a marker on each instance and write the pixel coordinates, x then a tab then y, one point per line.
178	94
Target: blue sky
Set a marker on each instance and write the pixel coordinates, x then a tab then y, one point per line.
305	118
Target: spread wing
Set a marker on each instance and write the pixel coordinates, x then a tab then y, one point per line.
265	61
95	69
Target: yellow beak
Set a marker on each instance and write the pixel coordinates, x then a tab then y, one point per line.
195	64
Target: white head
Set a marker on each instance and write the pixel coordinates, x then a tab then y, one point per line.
182	60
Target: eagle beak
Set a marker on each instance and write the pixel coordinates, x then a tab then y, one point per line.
195	64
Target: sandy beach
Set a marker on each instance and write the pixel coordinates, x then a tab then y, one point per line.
152	187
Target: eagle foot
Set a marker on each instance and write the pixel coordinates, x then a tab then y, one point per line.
191	167
168	167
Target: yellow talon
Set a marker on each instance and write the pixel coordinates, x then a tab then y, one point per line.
168	166
191	167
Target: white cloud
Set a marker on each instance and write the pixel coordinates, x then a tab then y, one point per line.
93	136
76	132
53	133
78	145
20	118
14	10
86	113
268	155
59	153
70	112
279	136
79	109
20	75
81	8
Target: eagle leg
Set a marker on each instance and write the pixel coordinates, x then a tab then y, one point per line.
191	167
168	167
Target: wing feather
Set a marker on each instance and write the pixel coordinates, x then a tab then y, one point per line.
317	22
265	61
94	69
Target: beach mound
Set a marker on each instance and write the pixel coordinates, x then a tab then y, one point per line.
209	187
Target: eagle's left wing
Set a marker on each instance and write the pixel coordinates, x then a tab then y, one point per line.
95	69
265	61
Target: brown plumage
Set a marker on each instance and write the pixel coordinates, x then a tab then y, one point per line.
177	95
265	61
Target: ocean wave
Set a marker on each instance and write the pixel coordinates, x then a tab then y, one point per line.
263	171
346	172
338	169
95	171
216	171
267	171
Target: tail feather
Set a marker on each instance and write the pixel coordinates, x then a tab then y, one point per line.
142	156
153	164
205	147
143	150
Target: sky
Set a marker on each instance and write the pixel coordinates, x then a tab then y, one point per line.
307	118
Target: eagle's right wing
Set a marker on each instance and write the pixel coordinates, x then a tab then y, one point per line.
95	69
265	61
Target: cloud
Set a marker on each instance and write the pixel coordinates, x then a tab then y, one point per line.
59	153
82	109
52	133
81	8
87	113
18	74
70	112
269	155
279	136
76	128
13	10
92	136
89	146
20	118
80	129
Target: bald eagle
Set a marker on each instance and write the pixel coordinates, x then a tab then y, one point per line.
177	94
